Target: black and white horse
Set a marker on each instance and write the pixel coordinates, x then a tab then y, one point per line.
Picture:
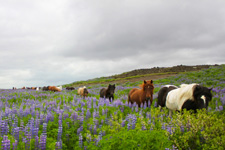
188	96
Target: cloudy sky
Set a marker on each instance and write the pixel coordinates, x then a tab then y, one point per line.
55	42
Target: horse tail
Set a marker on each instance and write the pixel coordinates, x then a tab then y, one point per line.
128	98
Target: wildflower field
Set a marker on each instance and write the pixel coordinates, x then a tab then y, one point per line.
34	120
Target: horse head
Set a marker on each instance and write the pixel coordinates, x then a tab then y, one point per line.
148	88
202	95
111	89
85	92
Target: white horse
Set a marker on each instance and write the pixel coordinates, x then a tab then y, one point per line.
60	87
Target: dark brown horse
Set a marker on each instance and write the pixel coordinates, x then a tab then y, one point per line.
145	94
108	92
45	88
70	88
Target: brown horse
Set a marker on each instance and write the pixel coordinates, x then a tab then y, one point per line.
83	92
142	95
54	88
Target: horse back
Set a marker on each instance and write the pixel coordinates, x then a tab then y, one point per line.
162	95
135	95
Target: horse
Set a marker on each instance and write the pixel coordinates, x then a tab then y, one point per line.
188	96
108	92
33	88
70	88
54	88
145	94
162	94
45	88
83	92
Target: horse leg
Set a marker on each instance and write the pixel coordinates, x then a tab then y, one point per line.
170	113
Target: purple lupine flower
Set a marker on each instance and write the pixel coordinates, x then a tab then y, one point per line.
44	132
99	138
134	120
88	114
79	130
60	133
182	128
122	108
136	109
80	140
145	105
5	143
123	123
95	129
16	133
42	142
169	129
74	116
3	128
58	145
220	108
222	99
36	144
28	136
128	126
66	116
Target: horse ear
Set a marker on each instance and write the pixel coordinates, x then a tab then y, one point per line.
114	85
151	81
145	82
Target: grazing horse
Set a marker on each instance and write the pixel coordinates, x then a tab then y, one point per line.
142	95
53	88
45	88
83	92
108	92
162	94
70	88
188	96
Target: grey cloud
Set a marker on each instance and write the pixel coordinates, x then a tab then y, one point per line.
55	42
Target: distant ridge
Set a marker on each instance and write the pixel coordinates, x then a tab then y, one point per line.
178	68
141	74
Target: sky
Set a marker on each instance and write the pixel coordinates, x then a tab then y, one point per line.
56	42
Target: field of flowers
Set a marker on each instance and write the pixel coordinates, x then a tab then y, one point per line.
63	120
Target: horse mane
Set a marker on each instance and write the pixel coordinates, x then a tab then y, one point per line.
142	86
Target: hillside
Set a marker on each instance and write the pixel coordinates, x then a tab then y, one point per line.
142	74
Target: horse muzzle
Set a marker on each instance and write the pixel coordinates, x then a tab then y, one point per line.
148	98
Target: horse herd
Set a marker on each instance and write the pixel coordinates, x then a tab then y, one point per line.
188	96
